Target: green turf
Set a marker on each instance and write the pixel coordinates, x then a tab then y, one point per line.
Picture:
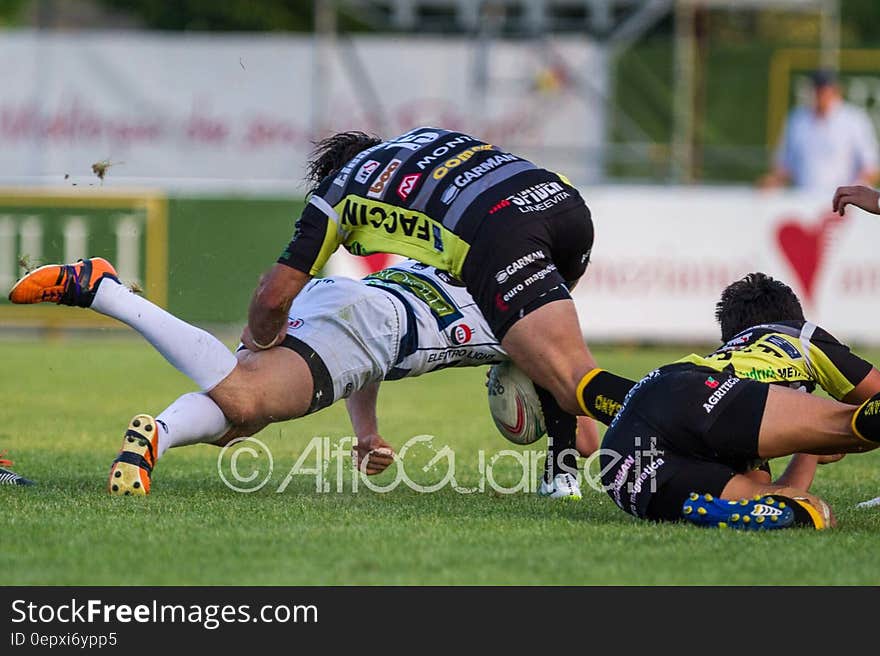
66	403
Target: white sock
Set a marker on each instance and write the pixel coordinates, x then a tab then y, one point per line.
190	350
192	419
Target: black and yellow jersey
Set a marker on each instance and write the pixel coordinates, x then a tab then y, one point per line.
422	195
798	354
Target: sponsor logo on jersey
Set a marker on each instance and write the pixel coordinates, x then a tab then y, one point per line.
739	340
761	374
442	306
404	189
393	220
539	197
712	383
296	323
719	393
378	187
461	334
459	354
788	348
426	160
500	206
457	160
366	171
342	177
511	293
540	275
464	178
449	195
505	273
449	279
413	141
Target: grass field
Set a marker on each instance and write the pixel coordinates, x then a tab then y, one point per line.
66	404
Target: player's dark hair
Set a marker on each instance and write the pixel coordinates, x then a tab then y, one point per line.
755	299
331	154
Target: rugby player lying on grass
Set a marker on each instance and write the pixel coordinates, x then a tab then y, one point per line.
693	437
344	336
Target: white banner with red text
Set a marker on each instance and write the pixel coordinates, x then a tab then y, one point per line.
662	256
240	112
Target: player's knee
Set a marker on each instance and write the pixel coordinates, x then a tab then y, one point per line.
240	410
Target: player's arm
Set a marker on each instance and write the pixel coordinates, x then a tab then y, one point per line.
270	304
371	451
840	372
860	196
800	472
316	238
868	387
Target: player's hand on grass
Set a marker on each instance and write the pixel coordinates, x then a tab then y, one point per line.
372	454
860	196
827	460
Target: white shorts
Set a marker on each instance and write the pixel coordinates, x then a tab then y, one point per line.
354	328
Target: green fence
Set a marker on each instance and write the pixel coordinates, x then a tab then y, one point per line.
199	257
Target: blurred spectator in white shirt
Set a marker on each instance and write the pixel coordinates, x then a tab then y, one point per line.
830	144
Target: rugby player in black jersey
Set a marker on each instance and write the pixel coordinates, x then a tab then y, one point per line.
693	437
517	235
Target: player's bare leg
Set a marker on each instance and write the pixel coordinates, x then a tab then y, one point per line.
266	387
548	345
240	393
794	422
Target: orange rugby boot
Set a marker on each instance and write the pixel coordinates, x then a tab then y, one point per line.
64	284
132	470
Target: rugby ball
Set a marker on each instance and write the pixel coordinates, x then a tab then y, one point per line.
514	404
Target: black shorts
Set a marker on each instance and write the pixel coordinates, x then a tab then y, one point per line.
682	429
520	260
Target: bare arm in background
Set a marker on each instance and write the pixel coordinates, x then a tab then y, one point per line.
864	197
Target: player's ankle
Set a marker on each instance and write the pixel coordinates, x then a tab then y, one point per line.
601	394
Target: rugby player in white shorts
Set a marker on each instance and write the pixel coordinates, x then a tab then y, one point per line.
344	337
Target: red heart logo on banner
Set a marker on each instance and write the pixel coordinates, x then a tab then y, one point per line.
375	262
805	247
